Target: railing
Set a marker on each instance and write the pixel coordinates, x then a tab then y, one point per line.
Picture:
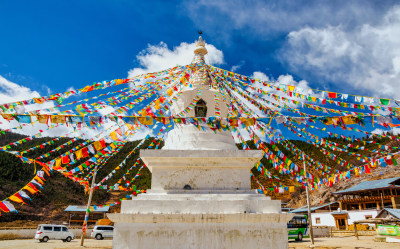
369	208
369	198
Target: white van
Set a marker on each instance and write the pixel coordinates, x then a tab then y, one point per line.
101	232
45	232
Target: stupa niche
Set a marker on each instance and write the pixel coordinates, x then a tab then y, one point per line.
188	136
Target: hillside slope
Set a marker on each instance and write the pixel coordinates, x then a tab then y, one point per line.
59	192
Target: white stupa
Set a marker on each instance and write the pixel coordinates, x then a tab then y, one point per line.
200	194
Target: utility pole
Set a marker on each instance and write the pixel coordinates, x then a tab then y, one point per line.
308	201
88	206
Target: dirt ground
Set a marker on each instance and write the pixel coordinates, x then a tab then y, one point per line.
55	244
365	242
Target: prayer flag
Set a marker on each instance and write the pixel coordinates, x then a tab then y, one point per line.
146	120
332	95
57	119
384	101
9	206
23	119
16	198
42	118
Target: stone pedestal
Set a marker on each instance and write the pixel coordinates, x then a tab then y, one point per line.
200	199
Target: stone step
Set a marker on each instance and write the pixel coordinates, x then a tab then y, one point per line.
199	205
213	197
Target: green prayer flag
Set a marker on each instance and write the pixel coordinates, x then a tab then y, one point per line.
385	101
59	100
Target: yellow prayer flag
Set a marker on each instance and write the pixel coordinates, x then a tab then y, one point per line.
78	154
97	145
157	105
170	91
348	120
57	119
114	135
29	189
58	162
38	179
7	117
42	118
146	120
247	121
16	199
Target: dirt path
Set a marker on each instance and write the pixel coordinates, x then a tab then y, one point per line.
365	242
55	244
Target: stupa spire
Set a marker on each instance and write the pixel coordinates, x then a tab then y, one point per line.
199	76
200	50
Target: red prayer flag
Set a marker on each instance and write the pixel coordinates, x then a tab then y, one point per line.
332	95
65	159
4	208
85	152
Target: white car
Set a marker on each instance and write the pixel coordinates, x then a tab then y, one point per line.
45	232
101	232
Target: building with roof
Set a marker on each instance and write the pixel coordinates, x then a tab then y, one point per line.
389	213
360	202
76	214
321	215
378	194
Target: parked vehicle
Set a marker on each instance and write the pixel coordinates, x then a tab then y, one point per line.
298	228
45	232
101	232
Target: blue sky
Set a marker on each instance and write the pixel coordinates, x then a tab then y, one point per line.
347	46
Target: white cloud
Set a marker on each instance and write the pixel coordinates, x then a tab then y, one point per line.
71	88
301	86
394	130
366	58
159	57
261	18
260	75
234	68
12	92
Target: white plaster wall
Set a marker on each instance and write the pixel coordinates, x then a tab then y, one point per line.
360	215
201	169
326	219
189	137
200	178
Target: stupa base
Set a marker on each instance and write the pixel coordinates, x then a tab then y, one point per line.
198	220
201	231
